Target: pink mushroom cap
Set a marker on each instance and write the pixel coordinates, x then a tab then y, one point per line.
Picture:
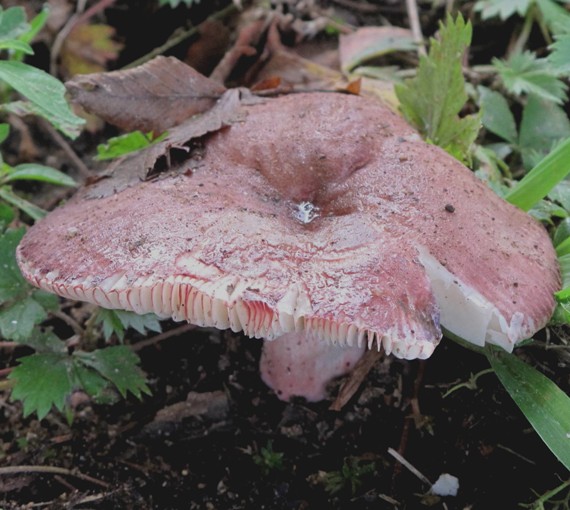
318	213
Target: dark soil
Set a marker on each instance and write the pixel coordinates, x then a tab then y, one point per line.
213	436
204	456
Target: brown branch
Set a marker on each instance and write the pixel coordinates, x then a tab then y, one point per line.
54	470
163	336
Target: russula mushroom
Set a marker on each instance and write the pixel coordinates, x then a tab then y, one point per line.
319	217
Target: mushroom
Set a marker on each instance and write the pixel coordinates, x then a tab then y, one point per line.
318	218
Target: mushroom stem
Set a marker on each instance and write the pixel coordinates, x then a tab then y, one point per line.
297	365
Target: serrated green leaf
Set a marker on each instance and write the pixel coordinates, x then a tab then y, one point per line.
117	321
497	116
35	172
111	323
138	322
12	283
543	403
90	380
502	8
118	365
43	380
45	92
433	99
524	73
560	57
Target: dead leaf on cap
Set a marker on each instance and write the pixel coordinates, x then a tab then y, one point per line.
181	144
153	97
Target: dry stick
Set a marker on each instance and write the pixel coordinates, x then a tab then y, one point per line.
62	142
357	6
177	38
354	380
70	321
414	19
54	470
405	463
163	336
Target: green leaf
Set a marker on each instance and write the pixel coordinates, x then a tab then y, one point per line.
543	125
35	172
121	145
33	211
7	215
117	321
16	46
556	17
22	306
45	92
18	319
559	59
433	99
12	283
524	73
564	294
562	233
12	23
543	403
36	24
502	8
90	380
118	365
45	341
561	194
4	132
535	185
140	323
43	380
497	116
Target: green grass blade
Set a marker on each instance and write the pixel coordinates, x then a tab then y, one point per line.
534	186
543	403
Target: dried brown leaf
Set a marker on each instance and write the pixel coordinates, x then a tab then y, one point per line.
153	97
181	145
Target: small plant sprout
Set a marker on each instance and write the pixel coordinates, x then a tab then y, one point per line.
350	476
268	459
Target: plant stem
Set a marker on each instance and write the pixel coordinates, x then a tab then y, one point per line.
178	37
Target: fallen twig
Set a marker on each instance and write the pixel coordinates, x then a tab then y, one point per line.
16	470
